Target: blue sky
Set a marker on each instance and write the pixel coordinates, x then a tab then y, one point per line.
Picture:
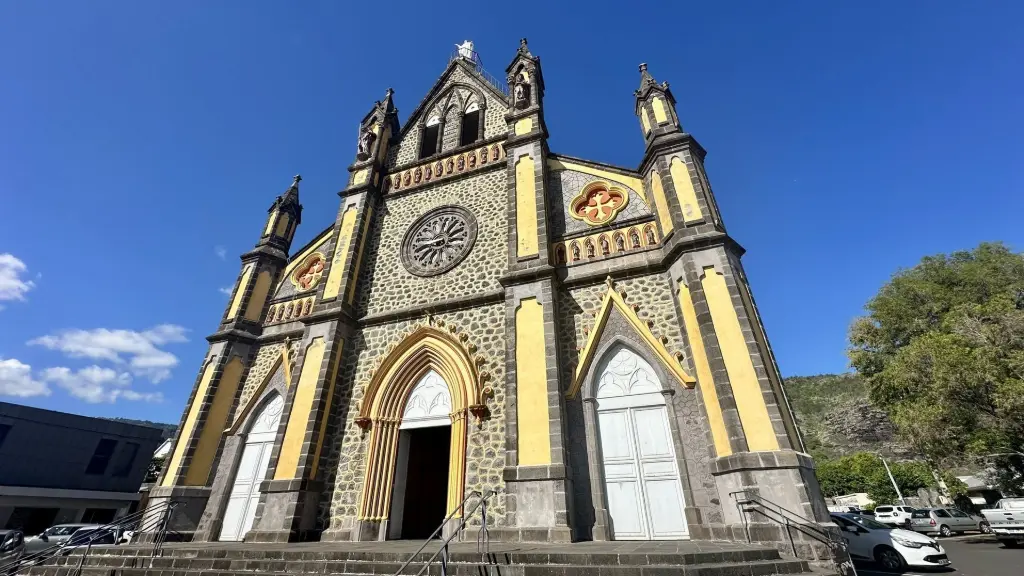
141	144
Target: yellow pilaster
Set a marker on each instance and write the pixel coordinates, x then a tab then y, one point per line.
354	281
523	126
259	296
236	302
645	119
333	285
746	390
190	424
659	110
216	420
704	377
282	225
295	433
526	207
664	216
531	385
684	190
339	344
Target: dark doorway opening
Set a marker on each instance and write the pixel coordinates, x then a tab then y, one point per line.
420	499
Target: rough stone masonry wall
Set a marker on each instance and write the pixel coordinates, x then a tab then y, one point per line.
265	359
576	308
345	457
386	285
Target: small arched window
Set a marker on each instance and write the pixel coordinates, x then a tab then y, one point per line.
470	131
429	137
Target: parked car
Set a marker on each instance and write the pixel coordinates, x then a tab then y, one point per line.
52	536
894	515
12	546
91	535
893	548
946	521
1007	521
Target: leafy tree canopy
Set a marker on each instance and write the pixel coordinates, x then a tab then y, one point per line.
942	348
864	472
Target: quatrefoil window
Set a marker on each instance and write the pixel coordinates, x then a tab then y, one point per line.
598	203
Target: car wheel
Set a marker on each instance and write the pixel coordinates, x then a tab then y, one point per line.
1009	543
984	528
889	558
944	531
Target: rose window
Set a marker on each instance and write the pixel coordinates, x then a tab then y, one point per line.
438	241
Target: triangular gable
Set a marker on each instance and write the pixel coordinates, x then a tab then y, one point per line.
613	301
276	371
284	286
442	83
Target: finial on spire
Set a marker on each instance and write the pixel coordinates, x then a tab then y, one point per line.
295	180
388	93
645	77
523	48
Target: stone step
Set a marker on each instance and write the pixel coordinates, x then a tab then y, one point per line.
754	568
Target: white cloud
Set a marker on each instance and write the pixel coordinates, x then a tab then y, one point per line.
12	285
16	380
139	350
95	384
221	252
226	290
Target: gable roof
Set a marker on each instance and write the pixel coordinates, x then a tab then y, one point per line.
442	83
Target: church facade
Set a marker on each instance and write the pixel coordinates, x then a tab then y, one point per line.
576	342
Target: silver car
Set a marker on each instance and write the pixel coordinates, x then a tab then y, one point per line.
12	546
52	536
945	521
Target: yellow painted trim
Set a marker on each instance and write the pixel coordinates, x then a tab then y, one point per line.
426	348
339	344
260	289
348	222
684	190
659	110
236	302
298	418
526	207
704	376
360	177
190	423
633	182
523	126
270	223
664	216
282	225
242	411
198	473
354	280
645	119
301	257
746	390
613	299
286	358
532	385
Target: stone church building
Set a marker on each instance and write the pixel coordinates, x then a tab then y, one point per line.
485	317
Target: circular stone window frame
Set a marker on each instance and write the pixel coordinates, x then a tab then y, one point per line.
414	267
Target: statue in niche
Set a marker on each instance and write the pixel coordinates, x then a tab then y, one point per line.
634	238
650	236
590	249
575	252
521	92
605	248
365	144
620	243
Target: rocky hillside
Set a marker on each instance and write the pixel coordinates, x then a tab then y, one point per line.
836	418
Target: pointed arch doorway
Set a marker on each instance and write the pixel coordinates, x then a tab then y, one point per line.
252	470
420	493
641	475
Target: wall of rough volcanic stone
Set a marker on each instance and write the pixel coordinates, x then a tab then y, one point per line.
259	370
407	149
384	282
576	308
344	458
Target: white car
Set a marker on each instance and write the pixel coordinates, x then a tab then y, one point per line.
894	515
893	548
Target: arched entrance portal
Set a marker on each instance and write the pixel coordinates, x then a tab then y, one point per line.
419	496
252	470
404	399
645	495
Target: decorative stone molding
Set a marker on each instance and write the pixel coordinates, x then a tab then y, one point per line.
598	203
307	275
607	244
444	168
290	310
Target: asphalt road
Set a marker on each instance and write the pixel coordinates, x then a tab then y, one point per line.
969	556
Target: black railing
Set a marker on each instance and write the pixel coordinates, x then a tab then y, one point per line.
483	538
747	501
474	58
152	520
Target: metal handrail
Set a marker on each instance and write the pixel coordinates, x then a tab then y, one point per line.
837	545
483	537
159	515
475	60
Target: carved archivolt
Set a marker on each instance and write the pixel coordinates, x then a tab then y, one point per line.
428	348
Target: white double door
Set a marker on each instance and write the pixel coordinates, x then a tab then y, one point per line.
252	470
645	496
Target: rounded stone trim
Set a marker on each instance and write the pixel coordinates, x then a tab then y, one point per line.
438	241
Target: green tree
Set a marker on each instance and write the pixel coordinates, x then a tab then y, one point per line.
864	472
942	349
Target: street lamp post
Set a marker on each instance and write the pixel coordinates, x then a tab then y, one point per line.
893	480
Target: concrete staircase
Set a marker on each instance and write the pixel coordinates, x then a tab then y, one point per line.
386	558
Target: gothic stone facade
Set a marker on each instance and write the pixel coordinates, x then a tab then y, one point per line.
573	341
